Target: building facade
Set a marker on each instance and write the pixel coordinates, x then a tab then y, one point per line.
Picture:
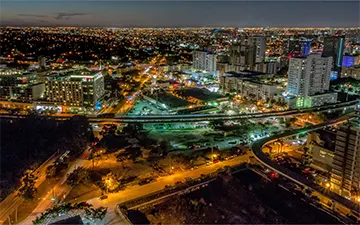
204	61
345	176
267	67
247	51
334	47
293	47
75	90
251	88
353	72
21	86
309	76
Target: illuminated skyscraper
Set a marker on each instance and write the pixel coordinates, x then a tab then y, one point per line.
309	76
334	47
309	80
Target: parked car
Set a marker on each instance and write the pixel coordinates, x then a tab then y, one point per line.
102	197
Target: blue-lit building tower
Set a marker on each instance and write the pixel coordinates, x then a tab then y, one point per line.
306	47
334	46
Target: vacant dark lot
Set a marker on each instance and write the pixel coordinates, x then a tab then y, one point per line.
243	198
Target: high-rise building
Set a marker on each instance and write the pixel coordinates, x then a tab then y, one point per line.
204	61
345	174
293	47
334	47
247	51
76	90
308	80
309	76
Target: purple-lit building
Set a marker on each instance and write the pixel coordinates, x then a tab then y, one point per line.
348	61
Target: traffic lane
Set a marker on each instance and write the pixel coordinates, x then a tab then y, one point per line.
136	191
57	192
257	149
13	200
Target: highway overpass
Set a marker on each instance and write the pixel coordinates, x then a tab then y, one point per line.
301	180
170	118
209	117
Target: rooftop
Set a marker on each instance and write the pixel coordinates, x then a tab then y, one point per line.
243	74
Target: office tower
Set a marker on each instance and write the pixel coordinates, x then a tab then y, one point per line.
17	85
204	61
334	47
76	90
309	76
296	47
345	175
247	51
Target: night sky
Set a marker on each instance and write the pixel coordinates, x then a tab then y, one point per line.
181	13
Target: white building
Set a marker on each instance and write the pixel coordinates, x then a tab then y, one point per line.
309	80
75	90
252	88
309	76
204	61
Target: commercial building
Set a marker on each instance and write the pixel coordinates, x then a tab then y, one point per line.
353	72
78	90
350	60
204	61
309	80
345	176
246	51
267	67
321	144
294	47
250	85
313	101
175	68
334	47
22	86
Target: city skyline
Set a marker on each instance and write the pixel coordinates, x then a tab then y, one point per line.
181	14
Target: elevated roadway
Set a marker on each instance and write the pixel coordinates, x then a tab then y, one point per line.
301	180
209	117
118	118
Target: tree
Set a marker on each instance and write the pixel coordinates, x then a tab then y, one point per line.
133	128
96	213
75	177
28	190
306	157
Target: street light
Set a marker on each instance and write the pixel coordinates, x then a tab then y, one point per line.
108	182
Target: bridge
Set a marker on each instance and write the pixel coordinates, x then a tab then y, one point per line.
209	117
301	180
173	118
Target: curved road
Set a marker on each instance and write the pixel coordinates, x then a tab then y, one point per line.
301	180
